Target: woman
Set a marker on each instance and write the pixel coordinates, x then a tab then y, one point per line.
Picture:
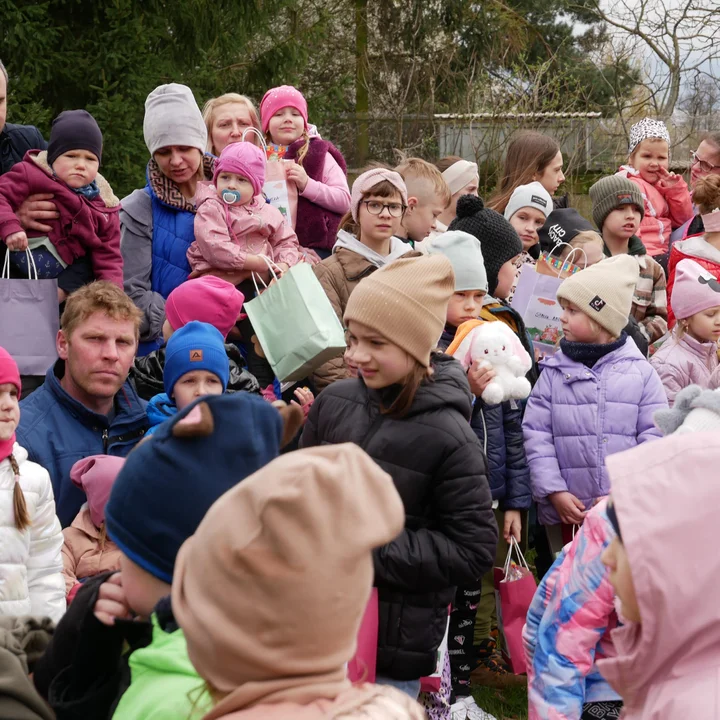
157	221
463	179
227	117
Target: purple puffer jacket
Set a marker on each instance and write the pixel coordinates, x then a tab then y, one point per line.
576	416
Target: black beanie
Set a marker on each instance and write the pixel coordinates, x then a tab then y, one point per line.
498	240
562	226
74	130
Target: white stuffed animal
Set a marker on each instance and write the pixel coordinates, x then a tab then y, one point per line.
497	346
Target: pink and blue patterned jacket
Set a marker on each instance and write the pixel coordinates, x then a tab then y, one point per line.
568	627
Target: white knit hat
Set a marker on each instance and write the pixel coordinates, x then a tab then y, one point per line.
604	292
532	195
172	117
694	410
463	251
648	128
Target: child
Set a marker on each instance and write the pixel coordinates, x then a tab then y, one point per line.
31	581
195	365
348	507
667	203
366	241
663	507
208	299
88	551
318	170
428	196
409	410
595	397
462	178
704	249
234	225
618	210
499	430
528	209
691	355
563	226
88	222
159	498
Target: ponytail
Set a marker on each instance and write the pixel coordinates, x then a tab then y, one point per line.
22	517
304	149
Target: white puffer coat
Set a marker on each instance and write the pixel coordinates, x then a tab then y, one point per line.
31	579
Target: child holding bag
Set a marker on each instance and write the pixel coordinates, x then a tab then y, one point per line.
596	396
318	170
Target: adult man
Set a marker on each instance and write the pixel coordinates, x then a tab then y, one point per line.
86	406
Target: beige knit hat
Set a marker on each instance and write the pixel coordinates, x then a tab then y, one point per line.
406	302
604	292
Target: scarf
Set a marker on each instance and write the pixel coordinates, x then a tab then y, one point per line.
90	192
589	353
167	191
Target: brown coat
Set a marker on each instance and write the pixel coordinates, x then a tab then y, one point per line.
339	274
83	555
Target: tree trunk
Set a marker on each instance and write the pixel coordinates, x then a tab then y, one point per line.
362	100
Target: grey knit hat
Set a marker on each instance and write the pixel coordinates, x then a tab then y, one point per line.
612	192
694	410
172	117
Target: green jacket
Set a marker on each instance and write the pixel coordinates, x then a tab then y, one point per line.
165	685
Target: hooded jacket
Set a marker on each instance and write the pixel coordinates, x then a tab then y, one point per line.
439	469
666	498
15	141
85	227
576	416
31	581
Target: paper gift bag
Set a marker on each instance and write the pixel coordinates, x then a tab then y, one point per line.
29	319
432	683
280	192
515	588
295	324
363	666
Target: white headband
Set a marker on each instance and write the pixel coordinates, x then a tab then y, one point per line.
461	174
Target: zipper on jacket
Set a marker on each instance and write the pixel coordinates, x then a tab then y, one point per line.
125	438
105	440
371	433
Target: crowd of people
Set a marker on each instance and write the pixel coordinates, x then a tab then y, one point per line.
184	535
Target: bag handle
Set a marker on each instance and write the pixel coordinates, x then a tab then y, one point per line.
271	265
253	130
31	265
564	267
513	545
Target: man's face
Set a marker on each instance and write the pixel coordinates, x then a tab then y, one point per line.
97	356
3	100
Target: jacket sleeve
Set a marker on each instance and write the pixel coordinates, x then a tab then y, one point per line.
136	247
69	561
577	616
333	369
680	203
310	437
284	241
518	493
213	241
655	320
14	188
107	260
545	477
461	547
44	566
653	399
670	378
333	192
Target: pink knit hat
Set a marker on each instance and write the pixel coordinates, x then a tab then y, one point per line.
695	290
243	158
279	98
95	476
207	299
9	372
368	180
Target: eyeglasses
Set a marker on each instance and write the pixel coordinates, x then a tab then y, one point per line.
705	166
376	208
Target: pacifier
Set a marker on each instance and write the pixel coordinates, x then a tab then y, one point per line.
230	197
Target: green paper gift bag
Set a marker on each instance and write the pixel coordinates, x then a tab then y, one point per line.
296	324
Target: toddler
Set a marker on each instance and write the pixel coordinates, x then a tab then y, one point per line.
666	198
690	356
596	396
316	167
234	225
88	551
88	222
196	364
31	581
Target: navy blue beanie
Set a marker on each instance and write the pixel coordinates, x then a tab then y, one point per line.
74	130
170	481
195	346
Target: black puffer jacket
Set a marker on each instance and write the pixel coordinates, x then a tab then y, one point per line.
147	373
15	141
440	471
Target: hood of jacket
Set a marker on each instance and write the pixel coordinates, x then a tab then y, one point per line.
349	242
666	497
698	247
160	408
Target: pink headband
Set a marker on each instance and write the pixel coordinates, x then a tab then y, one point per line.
368	180
279	98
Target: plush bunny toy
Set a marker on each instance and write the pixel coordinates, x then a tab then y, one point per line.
496	346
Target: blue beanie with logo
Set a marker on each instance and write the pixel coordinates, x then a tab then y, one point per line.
196	346
169	482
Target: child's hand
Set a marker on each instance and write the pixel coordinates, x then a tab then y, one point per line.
17	241
667	179
479	377
304	397
297	174
284	267
111	602
512	525
568	507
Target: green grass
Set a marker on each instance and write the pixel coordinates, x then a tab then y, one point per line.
508	704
